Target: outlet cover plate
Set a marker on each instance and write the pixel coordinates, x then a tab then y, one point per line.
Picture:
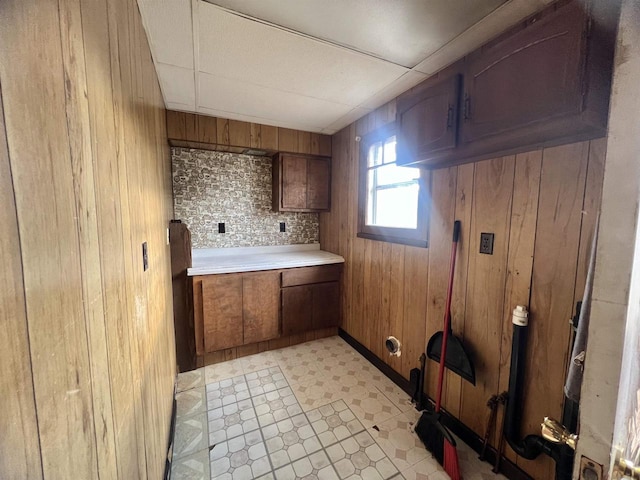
486	243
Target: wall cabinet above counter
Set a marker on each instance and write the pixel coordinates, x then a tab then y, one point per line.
301	183
545	82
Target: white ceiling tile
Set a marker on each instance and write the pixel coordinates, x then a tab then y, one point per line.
404	83
263	121
243	49
243	98
347	119
178	84
169	29
489	27
400	31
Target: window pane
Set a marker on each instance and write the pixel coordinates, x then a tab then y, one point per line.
394	207
375	154
397	207
389	174
390	150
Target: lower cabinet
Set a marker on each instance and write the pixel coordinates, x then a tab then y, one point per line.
243	308
239	308
310	298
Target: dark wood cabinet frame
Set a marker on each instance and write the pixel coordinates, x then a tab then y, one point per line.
417	237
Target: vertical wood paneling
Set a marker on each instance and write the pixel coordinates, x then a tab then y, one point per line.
287	140
79	132
416	274
90	187
493	187
524	213
441	218
19	444
562	187
43	177
463	209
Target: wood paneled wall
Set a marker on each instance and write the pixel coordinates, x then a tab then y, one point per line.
87	354
540	205
200	131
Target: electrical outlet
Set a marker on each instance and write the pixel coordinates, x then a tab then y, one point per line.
590	470
486	243
283	227
145	257
221	228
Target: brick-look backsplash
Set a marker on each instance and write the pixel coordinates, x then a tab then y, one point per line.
212	187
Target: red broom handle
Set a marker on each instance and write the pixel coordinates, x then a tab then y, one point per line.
447	313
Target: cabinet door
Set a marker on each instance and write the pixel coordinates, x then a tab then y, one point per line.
222	311
427	121
294	182
296	309
318	183
326	305
531	77
261	315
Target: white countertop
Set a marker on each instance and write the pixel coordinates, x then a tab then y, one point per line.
208	261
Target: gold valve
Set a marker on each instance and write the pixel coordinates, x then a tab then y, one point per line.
553	431
623	468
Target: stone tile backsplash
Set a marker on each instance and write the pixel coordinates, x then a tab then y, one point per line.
213	187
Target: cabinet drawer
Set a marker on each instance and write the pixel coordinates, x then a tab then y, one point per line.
307	275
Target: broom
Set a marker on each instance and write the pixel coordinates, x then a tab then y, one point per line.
429	428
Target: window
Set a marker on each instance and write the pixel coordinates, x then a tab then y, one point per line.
392	199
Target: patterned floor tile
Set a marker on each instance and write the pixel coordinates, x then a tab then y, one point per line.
302	372
231	420
189	380
266	380
277	405
427	469
256	362
190	402
258	428
191	435
360	457
314	467
290	440
243	457
397	396
222	371
334	422
191	467
225	392
398	440
317	392
373	408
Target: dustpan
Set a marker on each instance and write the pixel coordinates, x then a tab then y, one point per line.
457	359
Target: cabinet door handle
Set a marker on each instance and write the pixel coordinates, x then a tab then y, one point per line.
467	106
450	117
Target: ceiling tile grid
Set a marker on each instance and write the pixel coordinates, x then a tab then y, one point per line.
315	65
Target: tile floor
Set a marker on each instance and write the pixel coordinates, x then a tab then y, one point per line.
302	412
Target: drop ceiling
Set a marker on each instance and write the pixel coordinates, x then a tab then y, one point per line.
313	65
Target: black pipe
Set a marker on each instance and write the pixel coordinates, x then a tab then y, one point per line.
531	446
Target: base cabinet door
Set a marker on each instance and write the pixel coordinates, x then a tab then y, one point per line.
297	309
222	311
260	309
326	305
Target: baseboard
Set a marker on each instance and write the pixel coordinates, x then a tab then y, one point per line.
468	436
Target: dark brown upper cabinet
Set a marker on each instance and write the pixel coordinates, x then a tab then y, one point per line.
301	183
427	120
533	77
545	82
